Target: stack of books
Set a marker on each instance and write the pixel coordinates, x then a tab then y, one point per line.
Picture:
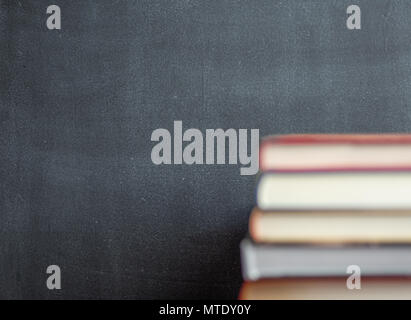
333	219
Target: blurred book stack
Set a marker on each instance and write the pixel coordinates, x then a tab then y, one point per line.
327	206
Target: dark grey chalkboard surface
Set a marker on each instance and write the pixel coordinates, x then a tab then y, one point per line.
78	106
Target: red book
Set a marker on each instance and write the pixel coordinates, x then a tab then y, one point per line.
336	152
372	288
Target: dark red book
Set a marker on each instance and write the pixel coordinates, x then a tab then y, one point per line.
371	288
336	152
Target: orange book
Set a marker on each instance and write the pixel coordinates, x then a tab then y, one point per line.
336	152
327	289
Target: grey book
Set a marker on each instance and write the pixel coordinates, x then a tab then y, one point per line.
274	261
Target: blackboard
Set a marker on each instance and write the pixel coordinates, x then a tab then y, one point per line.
78	105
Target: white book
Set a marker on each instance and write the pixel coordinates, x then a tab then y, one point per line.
348	190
